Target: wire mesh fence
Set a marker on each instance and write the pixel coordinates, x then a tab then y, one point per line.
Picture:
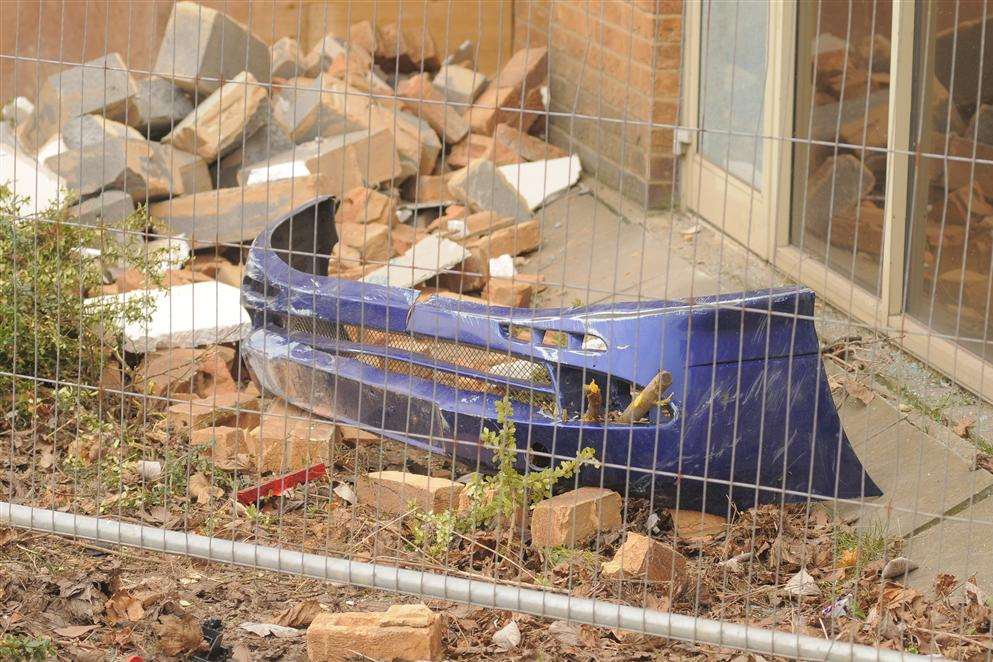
503	310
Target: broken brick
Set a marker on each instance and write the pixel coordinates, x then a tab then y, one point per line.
160	106
524	145
459	85
574	517
370	240
285	443
364	205
402	632
512	240
517	83
430	105
477	146
185	371
237	409
508	292
641	557
226	444
392	492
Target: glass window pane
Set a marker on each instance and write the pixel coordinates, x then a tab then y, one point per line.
733	64
842	119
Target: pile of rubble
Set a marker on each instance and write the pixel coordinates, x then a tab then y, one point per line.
229	135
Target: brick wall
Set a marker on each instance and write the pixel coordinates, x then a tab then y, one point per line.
614	78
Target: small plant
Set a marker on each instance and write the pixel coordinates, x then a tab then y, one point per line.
868	542
23	647
495	497
48	271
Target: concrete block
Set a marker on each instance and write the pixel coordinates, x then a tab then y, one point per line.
29	179
392	492
641	558
231	215
574	517
425	259
484	187
540	181
223	120
402	632
422	99
202	48
459	85
160	106
194	315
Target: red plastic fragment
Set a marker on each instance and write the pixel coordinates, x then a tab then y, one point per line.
277	486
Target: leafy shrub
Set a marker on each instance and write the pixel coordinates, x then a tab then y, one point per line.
47	270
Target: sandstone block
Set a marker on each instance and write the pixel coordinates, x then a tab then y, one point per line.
202	48
423	100
641	557
392	492
402	632
223	120
484	187
508	292
574	517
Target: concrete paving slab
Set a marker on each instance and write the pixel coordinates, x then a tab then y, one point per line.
961	545
922	476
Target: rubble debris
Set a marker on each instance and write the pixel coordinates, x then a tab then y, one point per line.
400	49
518	84
237	214
423	100
471	275
85	130
261	147
540	181
485	187
507	292
393	492
312	108
898	568
477	146
425	259
105	210
146	170
285	57
838	185
696	525
179	371
206	313
574	517
459	85
427	191
279	485
203	48
226	443
281	443
101	86
402	632
220	122
160	106
502	266
641	557
512	240
235	409
370	241
16	110
649	397
415	140
322	55
365	205
526	146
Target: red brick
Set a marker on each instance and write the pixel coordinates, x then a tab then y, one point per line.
670	29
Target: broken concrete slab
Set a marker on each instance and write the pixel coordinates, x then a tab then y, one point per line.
102	86
484	187
501	101
402	632
223	120
29	179
641	557
425	259
160	106
239	214
539	181
202	48
422	99
285	57
960	545
144	169
393	492
459	85
347	161
195	315
574	517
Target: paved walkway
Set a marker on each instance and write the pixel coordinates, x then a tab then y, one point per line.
933	498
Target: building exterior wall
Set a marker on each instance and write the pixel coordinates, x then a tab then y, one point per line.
614	82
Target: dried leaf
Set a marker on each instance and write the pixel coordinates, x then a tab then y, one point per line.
201	489
859	391
179	635
802	584
74	631
299	616
508	637
122	606
566	633
963	425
